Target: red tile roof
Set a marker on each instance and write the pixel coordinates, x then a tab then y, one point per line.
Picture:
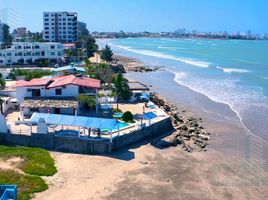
61	81
33	82
73	80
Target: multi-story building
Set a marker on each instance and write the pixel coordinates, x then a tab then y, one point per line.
21	31
27	53
60	27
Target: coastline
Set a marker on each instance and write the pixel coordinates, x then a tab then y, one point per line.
227	170
219	119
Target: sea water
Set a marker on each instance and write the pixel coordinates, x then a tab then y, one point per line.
234	72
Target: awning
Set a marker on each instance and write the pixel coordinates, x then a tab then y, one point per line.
76	121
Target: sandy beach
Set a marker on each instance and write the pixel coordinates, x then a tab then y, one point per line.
234	165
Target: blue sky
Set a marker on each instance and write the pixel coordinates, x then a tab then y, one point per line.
148	15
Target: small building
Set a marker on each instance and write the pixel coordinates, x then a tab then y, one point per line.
55	95
67	70
139	91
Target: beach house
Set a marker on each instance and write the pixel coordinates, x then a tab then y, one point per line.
55	95
140	92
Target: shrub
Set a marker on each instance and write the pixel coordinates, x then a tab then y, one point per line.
127	117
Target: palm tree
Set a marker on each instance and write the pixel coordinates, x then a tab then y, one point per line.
121	88
87	100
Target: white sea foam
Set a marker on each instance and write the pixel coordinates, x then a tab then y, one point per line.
233	70
166	56
171	48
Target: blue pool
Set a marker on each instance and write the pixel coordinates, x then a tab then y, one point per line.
121	125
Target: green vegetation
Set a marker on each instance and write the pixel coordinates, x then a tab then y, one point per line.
106	53
36	162
7	38
2	81
29	74
100	71
87	101
87	44
1	106
127	117
121	88
27	185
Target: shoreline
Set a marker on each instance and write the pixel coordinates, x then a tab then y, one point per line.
214	111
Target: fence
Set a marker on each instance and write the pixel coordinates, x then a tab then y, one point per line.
87	146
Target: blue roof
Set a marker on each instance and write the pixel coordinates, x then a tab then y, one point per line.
77	121
69	67
149	115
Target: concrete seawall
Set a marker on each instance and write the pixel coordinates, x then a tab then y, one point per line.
86	146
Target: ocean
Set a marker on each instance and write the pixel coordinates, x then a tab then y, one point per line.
233	72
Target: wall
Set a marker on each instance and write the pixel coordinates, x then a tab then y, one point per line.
85	146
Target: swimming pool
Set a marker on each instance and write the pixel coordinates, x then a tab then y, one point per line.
120	125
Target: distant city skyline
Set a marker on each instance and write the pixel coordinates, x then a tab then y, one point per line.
150	15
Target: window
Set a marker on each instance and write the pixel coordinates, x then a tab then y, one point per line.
58	92
36	93
52	47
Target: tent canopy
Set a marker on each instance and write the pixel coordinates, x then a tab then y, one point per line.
149	115
77	121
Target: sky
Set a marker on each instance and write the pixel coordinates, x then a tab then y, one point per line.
145	15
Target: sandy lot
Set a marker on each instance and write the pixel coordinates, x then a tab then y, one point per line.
145	172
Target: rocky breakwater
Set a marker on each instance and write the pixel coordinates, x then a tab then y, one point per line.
189	133
132	65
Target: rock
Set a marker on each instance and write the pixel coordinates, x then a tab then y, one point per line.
191	129
162	144
173	140
183	127
144	162
167	180
186	134
204	137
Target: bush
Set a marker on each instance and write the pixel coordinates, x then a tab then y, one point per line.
127	117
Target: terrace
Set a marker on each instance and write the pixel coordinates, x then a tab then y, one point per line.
88	127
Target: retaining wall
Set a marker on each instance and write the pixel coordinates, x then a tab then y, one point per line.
84	146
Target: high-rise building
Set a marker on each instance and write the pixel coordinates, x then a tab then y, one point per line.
60	27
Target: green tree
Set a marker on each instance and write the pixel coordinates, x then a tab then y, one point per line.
2	81
87	44
1	106
87	101
7	38
121	88
106	53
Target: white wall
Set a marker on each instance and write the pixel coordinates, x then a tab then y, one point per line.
67	91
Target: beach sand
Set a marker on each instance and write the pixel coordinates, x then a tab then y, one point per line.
229	169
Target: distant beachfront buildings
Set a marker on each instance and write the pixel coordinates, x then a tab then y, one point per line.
29	53
60	27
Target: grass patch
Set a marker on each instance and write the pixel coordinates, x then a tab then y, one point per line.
36	162
27	184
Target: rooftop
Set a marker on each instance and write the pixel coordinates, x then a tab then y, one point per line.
137	86
49	103
61	81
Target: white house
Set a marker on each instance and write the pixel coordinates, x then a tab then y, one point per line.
27	53
55	95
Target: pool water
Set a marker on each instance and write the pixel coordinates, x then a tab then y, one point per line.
121	125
